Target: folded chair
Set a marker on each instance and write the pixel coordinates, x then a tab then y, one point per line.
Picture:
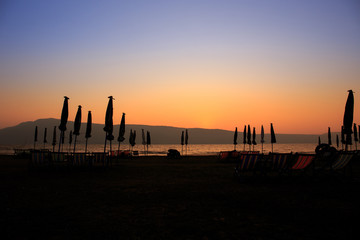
39	158
247	162
278	162
302	162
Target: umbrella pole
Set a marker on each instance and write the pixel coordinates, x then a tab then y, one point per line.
60	140
86	145
262	148
272	147
75	143
105	143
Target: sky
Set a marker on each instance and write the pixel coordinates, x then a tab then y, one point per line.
190	63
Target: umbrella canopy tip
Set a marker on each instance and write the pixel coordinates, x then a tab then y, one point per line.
66	97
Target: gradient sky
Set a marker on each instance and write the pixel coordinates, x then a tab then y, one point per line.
189	63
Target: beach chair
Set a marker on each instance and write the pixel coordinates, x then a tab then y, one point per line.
277	162
100	158
302	163
39	158
59	158
247	162
341	163
229	156
80	159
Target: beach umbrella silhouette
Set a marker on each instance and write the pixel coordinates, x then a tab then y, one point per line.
54	139
273	138
244	137
319	141
348	118
182	142
45	133
254	139
186	140
235	138
109	123
355	136
121	137
262	138
329	136
337	141
148	141
143	140
35	136
64	119
77	125
88	130
249	137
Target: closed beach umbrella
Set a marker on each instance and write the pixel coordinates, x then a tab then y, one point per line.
348	118
262	138
273	138
329	136
235	138
64	119
244	137
182	142
77	125
355	136
54	139
249	137
148	141
134	139
35	136
45	140
342	137
143	138
254	138
337	141
121	137
186	140
88	129
319	141
109	122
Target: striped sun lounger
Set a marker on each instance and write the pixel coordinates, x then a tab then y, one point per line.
302	161
280	161
39	158
247	163
342	160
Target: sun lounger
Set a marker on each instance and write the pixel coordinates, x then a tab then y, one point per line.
100	158
39	157
247	162
279	162
80	159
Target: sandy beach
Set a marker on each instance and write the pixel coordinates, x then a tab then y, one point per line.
157	198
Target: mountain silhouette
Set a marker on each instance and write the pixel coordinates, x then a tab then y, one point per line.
23	133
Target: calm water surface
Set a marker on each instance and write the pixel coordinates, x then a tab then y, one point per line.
161	149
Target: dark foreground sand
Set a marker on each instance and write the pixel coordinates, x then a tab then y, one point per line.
156	198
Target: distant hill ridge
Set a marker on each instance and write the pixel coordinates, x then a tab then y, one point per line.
23	133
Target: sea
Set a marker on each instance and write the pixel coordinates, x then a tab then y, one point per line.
162	149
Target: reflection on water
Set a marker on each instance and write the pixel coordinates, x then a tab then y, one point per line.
193	149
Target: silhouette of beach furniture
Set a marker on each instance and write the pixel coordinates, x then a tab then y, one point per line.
39	158
120	153
248	162
277	162
100	158
59	158
80	159
341	163
233	156
302	163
